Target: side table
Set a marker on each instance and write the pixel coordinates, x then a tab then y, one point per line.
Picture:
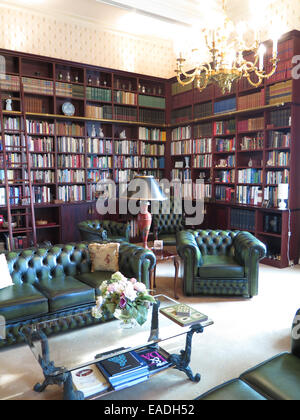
161	256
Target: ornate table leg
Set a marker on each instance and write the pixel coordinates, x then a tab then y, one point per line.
183	360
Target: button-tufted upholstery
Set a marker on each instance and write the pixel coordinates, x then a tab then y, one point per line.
168	222
50	280
102	230
218	262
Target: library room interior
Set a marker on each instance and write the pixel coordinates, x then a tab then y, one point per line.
149	202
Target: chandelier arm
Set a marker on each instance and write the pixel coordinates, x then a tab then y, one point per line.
254	84
191	79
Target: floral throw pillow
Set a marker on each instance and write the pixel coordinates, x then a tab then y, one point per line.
104	257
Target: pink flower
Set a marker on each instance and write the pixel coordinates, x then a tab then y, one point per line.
123	302
133	281
140	287
111	288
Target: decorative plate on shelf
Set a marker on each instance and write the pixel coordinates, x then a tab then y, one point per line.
68	109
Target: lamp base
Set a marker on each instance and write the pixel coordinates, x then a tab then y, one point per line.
144	223
282	205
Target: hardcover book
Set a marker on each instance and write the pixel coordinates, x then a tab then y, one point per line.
89	380
193	318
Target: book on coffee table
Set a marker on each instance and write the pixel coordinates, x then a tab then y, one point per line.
155	359
90	381
183	315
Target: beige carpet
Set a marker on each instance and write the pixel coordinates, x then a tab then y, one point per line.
245	333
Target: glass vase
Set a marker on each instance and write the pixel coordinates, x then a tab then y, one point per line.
127	322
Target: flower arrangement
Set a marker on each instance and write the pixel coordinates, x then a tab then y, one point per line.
123	298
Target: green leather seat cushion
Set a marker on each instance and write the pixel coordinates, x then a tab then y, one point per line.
220	266
277	378
168	238
65	292
95	280
22	301
235	390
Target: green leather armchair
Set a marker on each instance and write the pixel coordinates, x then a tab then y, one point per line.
220	262
104	230
166	224
277	378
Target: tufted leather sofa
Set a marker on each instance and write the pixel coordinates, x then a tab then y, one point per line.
51	283
220	262
275	379
168	222
102	230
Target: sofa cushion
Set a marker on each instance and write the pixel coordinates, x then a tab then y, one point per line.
21	302
235	390
277	378
104	257
95	280
220	266
65	292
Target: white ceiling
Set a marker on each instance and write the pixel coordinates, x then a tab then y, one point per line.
201	12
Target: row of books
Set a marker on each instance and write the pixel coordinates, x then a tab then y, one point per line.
99	112
181	147
279	139
271	195
152	134
227	177
280	92
276	158
11	142
45	160
251	124
125	113
136	162
33	104
126	147
72	193
253	142
12	160
223	193
69	90
96	176
182	100
42	195
37	86
181	115
152	149
69	129
202	161
99	147
12	175
251	196
124	175
152	101
224	127
203	130
242	219
280	118
230	162
70	161
12	124
70	176
226	145
202	191
96	162
10	83
224	106
182	133
278	177
70	145
203	110
44	176
19	242
125	98
255	100
39	127
152	116
44	144
181	174
283	71
97	94
203	145
250	176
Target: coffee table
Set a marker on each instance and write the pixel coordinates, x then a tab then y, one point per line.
161	256
59	355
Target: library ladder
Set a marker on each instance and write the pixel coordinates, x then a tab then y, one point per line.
19	190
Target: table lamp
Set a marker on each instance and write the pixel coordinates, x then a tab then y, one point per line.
283	195
149	190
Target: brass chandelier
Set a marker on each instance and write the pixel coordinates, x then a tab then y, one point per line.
227	62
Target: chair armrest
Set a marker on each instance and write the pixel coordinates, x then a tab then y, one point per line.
248	252
137	262
92	234
296	335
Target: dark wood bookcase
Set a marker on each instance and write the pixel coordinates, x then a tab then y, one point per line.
68	155
243	144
